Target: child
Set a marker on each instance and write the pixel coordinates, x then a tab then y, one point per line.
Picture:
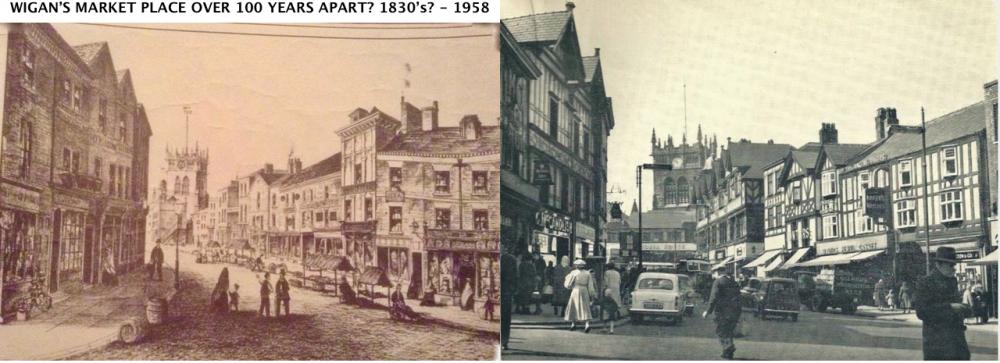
891	299
234	298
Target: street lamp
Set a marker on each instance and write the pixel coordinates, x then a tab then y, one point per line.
638	178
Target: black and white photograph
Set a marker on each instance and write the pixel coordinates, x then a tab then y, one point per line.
253	191
753	180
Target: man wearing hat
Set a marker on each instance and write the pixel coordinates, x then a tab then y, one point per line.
939	304
508	288
725	304
156	258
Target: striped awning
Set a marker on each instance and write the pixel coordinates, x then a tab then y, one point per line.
990	259
774	264
723	263
828	260
796	257
762	259
866	255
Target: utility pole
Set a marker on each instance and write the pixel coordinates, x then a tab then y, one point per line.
927	225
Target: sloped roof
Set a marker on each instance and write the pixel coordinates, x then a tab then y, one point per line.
88	52
661	218
120	74
805	159
590	67
445	141
326	166
753	157
840	154
545	27
962	122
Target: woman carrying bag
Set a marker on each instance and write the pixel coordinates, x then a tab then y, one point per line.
582	291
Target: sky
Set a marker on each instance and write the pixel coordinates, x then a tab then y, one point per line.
775	69
254	99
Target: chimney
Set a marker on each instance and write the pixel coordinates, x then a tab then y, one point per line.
570	6
430	117
597	52
294	165
268	168
885	117
828	134
358	114
411	116
471	127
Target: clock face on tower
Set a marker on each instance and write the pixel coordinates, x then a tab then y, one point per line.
678	162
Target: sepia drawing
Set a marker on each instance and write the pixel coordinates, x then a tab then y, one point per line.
775	181
249	192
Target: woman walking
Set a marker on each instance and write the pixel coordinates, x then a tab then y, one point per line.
582	290
560	294
612	295
220	295
905	297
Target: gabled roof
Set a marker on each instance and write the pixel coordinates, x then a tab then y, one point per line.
838	154
89	52
324	167
519	55
590	65
545	27
751	158
960	123
444	142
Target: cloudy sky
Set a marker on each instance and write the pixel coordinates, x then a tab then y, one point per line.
776	69
254	98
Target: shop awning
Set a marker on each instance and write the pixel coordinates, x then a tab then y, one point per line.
723	263
762	259
796	257
828	260
866	255
774	264
990	259
375	276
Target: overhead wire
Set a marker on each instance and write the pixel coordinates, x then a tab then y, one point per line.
378	27
274	35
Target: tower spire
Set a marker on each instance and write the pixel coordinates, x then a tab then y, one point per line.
684	136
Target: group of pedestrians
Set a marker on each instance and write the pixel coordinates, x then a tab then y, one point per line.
886	297
226	298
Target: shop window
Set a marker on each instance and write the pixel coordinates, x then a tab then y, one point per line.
369	211
831	226
395	219
479	184
951	206
395	178
442	182
481	219
71	250
442	218
906	173
949	161
906	214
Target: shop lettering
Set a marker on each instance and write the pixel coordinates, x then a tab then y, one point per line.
553	221
18	197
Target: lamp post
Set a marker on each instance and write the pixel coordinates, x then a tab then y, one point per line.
180	216
638	179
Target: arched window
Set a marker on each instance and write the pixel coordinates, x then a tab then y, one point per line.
163	186
669	191
184	185
683	191
177	185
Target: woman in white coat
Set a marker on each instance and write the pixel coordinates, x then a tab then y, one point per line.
582	290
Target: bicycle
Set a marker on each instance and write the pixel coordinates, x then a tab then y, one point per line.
37	298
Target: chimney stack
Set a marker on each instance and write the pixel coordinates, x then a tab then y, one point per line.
885	117
268	168
828	133
411	116
430	117
570	6
597	52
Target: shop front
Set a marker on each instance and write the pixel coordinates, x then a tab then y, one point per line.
854	265
553	234
518	205
585	240
359	242
22	255
463	262
396	255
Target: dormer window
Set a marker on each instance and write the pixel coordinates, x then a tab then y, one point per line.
949	161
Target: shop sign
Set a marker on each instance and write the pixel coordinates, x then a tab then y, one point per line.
542	174
861	244
68	201
462	241
553	221
21	198
669	246
966	255
358	227
875	202
395	195
586	232
720	255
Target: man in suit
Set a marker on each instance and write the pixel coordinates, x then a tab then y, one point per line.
938	303
725	304
265	296
156	258
508	288
281	295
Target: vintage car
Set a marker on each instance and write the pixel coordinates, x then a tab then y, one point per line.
659	294
776	296
749	288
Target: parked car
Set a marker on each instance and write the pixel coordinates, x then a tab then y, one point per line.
826	296
659	294
776	296
751	286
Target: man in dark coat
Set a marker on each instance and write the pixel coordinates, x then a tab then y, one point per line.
538	264
725	304
526	284
281	295
939	304
265	296
156	258
508	288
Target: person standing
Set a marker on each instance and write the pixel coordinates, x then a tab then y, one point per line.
156	257
582	290
110	275
220	295
938	305
905	297
879	294
725	304
612	295
508	288
281	294
526	284
538	264
560	294
265	296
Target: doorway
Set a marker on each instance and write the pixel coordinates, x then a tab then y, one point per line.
383	258
55	250
416	276
562	248
88	251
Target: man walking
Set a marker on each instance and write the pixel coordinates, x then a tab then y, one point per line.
156	258
725	304
939	304
281	294
508	287
265	296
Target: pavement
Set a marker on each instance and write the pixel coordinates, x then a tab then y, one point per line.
318	328
80	322
911	317
815	336
548	319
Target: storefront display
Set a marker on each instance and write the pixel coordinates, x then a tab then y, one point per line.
459	260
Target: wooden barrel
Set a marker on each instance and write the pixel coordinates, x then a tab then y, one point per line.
156	310
132	330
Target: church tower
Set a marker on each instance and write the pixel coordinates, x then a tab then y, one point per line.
181	191
674	188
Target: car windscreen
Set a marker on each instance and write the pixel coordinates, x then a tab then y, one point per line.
656	283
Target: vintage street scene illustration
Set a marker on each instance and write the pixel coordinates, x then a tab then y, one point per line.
773	180
250	192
